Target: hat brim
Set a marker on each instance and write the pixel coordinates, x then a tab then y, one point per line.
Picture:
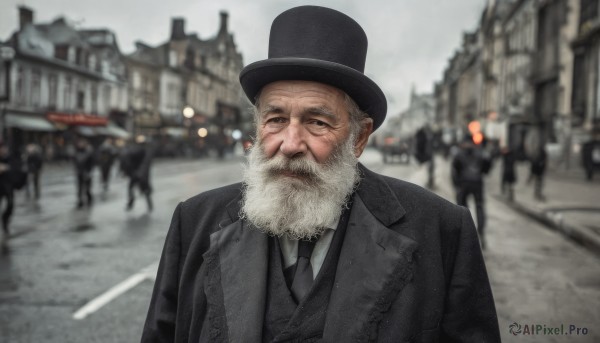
367	95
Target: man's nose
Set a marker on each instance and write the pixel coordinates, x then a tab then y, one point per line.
293	144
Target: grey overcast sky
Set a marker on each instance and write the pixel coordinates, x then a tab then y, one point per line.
410	41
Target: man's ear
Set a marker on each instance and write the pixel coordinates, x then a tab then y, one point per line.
363	137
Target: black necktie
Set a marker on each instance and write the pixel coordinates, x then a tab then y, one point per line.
303	277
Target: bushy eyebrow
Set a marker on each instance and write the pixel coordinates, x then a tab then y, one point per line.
323	111
319	110
270	109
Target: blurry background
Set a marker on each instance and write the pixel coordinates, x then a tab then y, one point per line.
519	75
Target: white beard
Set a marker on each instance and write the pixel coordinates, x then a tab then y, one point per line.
299	207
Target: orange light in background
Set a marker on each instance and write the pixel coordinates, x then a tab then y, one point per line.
474	127
477	138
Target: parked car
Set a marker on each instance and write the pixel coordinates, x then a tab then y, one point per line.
395	146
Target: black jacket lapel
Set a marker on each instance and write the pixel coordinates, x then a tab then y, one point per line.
374	265
242	255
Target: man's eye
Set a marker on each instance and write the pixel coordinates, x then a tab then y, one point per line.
276	120
318	123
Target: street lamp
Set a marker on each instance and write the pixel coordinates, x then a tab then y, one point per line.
7	54
188	112
236	134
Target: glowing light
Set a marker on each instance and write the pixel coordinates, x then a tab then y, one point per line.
236	134
478	138
474	127
202	132
188	112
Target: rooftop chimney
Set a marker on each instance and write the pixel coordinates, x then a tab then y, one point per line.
177	28
223	28
25	16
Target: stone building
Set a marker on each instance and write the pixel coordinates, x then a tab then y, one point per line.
521	67
492	55
516	92
468	80
586	79
200	75
552	73
63	82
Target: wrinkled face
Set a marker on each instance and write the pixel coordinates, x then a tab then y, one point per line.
303	119
305	159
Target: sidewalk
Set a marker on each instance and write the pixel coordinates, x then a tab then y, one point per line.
572	204
571	207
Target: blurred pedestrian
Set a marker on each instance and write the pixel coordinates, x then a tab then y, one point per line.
424	152
590	155
537	170
12	177
84	163
34	160
509	174
106	157
136	161
469	166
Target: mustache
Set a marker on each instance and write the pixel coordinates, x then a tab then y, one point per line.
297	166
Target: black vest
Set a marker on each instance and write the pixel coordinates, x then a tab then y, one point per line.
286	321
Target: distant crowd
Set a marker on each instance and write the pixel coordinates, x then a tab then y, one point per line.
22	172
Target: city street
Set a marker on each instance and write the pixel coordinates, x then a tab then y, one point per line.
87	275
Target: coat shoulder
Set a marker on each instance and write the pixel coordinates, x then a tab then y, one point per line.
204	213
217	198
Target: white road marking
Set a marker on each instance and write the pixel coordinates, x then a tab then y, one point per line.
116	291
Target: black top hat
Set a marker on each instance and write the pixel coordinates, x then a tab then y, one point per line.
318	44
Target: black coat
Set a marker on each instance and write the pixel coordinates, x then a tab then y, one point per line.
469	165
410	270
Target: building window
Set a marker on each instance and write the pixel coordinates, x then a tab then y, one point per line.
67	93
36	86
20	86
79	57
190	59
52	91
173	98
80	99
147	84
72	55
107	103
172	58
137	81
61	52
94	99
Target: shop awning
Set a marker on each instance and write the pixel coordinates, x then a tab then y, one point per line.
26	122
113	130
87	131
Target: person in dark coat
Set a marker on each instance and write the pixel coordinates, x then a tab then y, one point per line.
537	171
509	174
469	167
590	154
84	162
136	161
9	177
312	246
34	160
107	153
424	152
